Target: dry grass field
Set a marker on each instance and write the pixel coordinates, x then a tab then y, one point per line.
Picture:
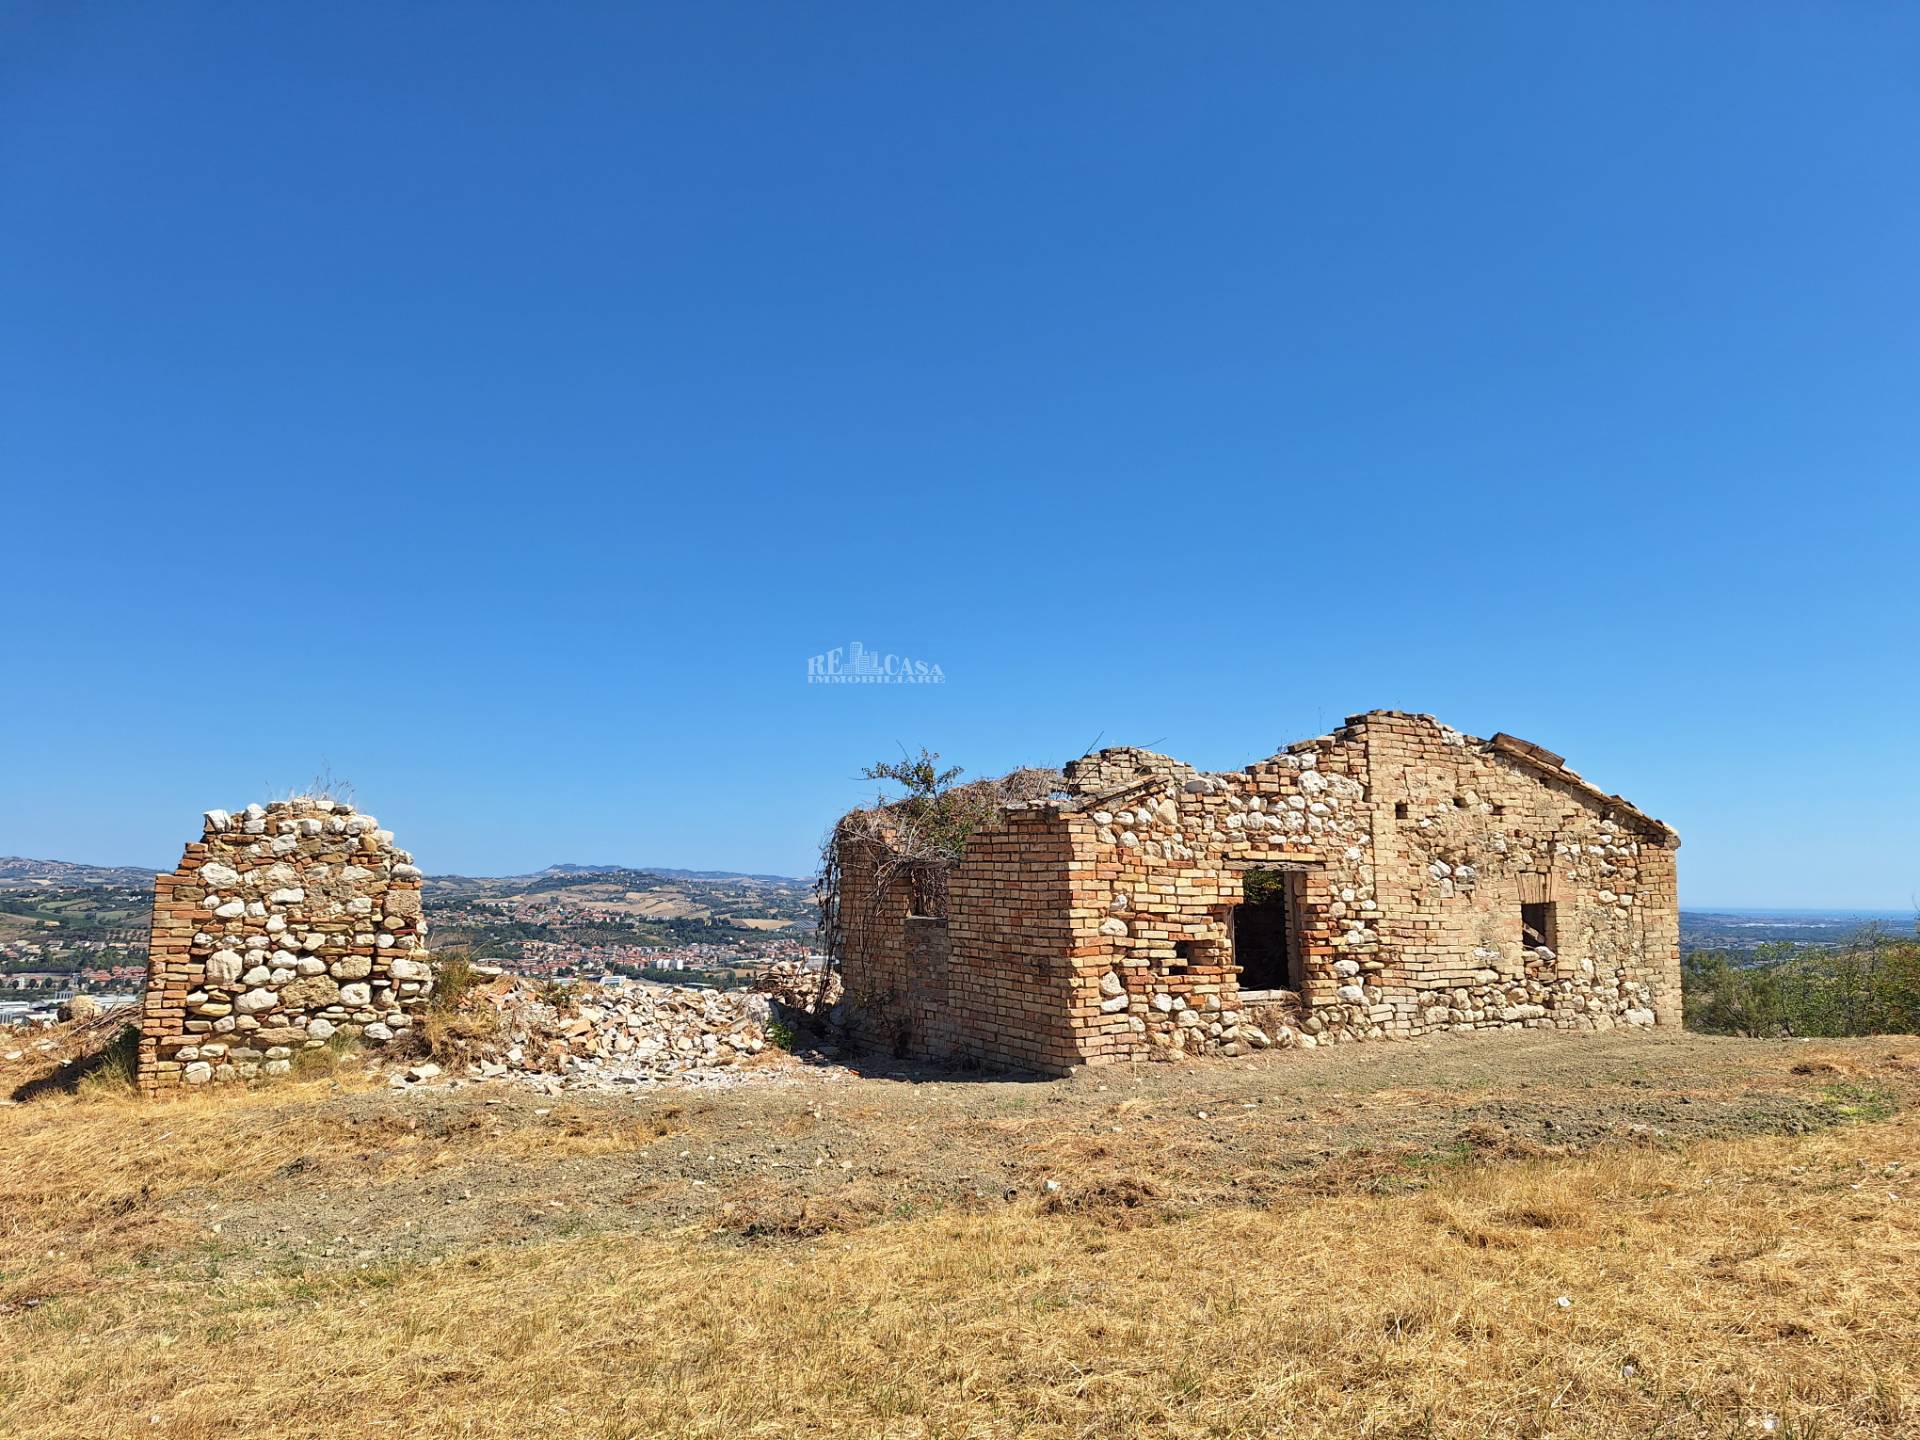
1508	1236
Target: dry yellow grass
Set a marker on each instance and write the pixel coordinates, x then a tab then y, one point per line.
1711	1290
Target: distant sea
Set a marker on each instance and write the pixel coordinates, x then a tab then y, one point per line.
1745	927
1762	916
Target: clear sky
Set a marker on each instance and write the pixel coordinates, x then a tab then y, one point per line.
498	404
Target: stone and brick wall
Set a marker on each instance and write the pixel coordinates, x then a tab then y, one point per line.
282	926
1099	926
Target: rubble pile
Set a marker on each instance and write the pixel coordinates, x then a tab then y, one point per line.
594	1036
806	987
78	1044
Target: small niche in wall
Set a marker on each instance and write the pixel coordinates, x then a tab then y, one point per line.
926	893
1399	809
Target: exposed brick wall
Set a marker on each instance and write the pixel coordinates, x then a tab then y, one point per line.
1166	853
895	994
1099	927
283	925
1011	930
983	983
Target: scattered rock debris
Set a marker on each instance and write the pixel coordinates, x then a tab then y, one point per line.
603	1037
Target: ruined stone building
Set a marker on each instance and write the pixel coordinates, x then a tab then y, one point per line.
282	926
1396	878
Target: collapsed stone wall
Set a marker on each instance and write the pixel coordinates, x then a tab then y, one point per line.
282	926
1101	927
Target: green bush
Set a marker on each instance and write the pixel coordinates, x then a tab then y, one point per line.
1868	987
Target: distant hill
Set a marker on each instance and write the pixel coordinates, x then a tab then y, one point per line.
618	894
571	874
17	872
674	874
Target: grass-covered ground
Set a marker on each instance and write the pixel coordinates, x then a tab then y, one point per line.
1511	1236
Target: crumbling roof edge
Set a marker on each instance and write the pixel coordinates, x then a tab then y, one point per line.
1543	761
1525	752
1576	781
1522	752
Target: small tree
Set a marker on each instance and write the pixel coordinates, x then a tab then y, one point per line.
920	776
932	821
918	836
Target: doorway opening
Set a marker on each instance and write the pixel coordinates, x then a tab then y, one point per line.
1266	931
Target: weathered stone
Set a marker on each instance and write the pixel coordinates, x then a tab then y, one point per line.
223	967
80	1008
310	992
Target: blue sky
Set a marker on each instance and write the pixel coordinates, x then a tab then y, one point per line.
499	404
